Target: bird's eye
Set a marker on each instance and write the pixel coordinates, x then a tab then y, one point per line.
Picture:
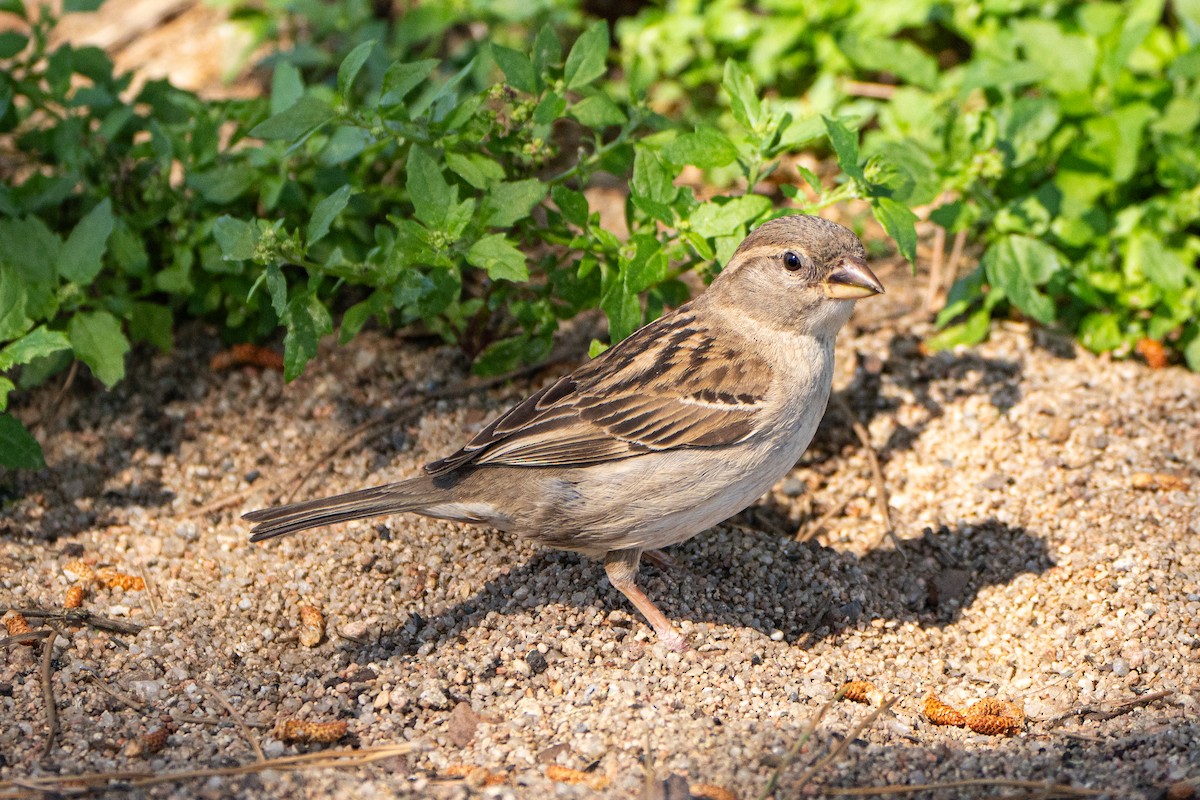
792	261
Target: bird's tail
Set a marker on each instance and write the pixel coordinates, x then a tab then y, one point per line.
410	495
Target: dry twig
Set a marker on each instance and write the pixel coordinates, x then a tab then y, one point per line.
882	498
47	678
77	616
1045	789
241	722
867	722
39	786
794	750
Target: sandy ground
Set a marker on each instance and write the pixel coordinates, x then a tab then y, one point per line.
1047	553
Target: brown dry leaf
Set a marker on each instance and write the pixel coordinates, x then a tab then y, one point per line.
993	725
113	579
475	776
940	713
861	692
710	791
1153	351
246	354
294	730
995	717
312	626
74	598
997	707
1158	482
16	624
79	570
561	774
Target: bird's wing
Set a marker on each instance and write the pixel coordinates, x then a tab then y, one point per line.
672	384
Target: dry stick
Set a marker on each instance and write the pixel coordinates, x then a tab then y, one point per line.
40	785
803	535
125	700
935	268
1061	789
47	678
23	638
882	499
794	750
956	254
844	743
1105	711
879	91
52	411
78	616
250	737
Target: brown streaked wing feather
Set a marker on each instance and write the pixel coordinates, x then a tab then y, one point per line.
670	385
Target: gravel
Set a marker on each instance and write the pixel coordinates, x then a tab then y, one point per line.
1026	566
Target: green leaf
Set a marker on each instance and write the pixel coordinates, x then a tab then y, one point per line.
1100	332
585	62
400	79
476	169
547	51
286	86
651	187
39	342
598	111
307	321
1191	353
98	341
706	148
224	184
572	204
623	309
506	203
1018	265
715	218
743	99
301	118
325	213
428	190
845	147
79	260
972	331
502	355
14	320
356	316
80	6
18	448
648	266
517	68
153	323
499	257
350	66
14	7
1146	256
900	224
237	239
12	43
277	290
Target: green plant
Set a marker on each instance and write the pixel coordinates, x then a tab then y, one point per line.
1061	134
444	193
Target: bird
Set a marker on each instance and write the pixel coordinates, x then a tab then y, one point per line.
669	432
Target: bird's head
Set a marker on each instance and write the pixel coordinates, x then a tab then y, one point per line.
800	273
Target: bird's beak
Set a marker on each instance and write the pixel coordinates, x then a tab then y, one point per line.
851	280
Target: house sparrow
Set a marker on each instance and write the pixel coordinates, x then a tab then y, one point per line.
678	427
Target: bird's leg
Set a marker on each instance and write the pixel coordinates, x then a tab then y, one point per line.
621	566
